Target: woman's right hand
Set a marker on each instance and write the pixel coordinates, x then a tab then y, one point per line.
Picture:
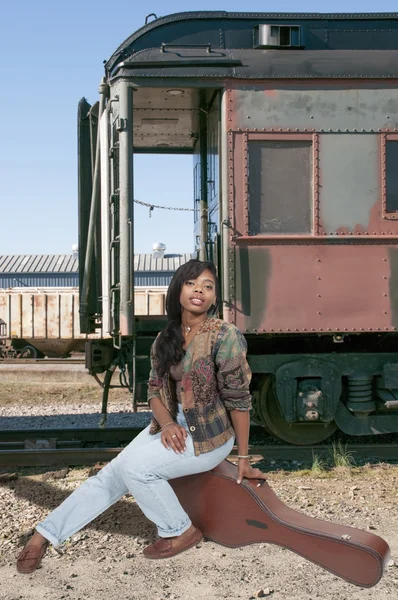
173	436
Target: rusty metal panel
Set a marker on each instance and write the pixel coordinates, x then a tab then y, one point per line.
308	288
14	316
150	302
39	312
157	303
52	316
76	317
65	316
280	186
27	307
349	181
306	107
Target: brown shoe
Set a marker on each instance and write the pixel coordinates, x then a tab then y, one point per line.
164	547
30	558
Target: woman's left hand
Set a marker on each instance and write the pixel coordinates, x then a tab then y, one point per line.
246	470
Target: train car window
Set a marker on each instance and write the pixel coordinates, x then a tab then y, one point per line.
280	187
392	176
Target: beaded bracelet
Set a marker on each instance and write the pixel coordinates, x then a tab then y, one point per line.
166	424
249	456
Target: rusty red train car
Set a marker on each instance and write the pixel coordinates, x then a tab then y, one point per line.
292	122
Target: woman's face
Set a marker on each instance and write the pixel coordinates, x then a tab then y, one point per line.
198	295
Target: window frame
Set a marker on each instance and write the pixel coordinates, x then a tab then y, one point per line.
239	182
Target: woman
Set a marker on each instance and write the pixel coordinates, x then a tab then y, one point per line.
198	392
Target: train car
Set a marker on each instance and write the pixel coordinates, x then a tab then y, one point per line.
44	322
292	123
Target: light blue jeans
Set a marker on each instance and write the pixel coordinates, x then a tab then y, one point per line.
143	468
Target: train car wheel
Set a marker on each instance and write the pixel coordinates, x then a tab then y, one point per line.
28	352
300	434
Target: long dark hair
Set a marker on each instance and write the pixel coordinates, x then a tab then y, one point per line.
169	344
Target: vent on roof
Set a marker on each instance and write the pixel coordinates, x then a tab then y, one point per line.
158	250
277	36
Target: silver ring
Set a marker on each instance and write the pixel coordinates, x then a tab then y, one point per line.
173	436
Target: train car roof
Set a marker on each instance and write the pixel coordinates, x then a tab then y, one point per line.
220	45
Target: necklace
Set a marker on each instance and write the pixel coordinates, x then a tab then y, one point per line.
188	328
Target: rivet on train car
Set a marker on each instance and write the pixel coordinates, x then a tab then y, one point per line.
362	329
318	278
319	312
385	312
271	330
386	328
318	260
384	277
370	329
384	259
385	295
353	329
319	296
387	116
311	116
345	329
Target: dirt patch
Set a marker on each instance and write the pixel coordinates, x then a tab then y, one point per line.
105	562
49	393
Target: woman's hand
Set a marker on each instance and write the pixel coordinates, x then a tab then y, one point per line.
173	436
246	470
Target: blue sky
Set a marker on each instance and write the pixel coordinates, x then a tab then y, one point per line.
53	55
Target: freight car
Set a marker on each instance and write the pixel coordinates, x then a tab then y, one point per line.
38	322
292	123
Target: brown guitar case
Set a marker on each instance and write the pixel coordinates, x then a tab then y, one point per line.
236	515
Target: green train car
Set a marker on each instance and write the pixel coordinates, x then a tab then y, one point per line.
292	124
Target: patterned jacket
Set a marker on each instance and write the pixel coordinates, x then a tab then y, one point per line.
215	380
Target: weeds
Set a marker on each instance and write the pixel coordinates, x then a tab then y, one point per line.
318	465
342	457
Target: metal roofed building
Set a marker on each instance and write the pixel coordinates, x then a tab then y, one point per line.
39	270
152	270
62	270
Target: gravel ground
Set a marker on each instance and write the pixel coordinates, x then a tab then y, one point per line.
57	406
104	561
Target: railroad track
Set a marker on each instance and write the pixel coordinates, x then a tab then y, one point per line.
69	447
